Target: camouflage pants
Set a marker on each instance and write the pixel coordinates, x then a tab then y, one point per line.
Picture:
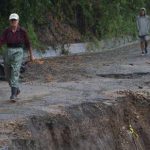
12	62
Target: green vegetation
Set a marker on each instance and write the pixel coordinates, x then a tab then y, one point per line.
93	18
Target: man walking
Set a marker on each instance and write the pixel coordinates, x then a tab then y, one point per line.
143	25
15	37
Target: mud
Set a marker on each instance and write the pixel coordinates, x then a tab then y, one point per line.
124	76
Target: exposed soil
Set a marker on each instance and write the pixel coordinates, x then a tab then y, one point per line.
74	68
121	124
55	33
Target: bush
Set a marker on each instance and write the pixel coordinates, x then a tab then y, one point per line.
99	18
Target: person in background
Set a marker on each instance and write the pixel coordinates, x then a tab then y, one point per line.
16	38
143	26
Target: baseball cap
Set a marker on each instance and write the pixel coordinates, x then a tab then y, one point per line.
143	9
13	16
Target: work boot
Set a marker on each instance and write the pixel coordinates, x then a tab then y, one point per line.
145	50
18	92
142	53
13	94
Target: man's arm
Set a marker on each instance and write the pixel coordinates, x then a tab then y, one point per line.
30	54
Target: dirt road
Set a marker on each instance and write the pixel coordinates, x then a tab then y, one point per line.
73	101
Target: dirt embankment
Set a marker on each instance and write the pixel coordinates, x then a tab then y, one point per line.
54	33
119	124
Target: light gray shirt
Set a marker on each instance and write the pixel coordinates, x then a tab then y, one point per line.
143	25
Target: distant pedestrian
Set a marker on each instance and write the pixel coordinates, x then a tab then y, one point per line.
143	25
15	37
